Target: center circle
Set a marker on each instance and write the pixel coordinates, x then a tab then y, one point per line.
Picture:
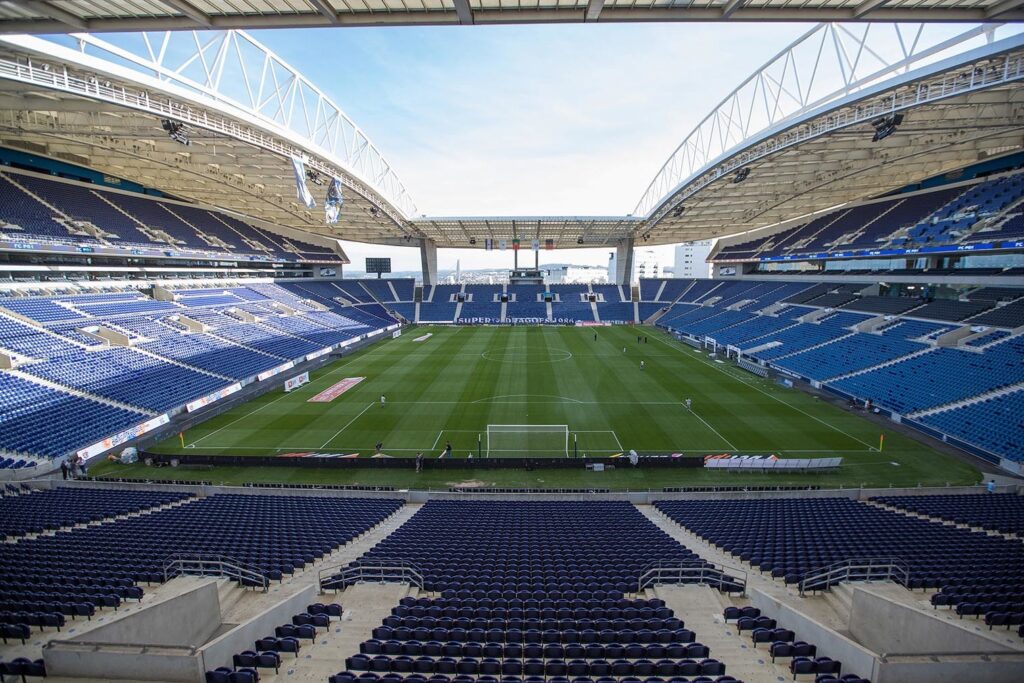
515	356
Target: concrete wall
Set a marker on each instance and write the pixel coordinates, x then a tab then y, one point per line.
886	626
157	643
1004	668
122	662
188	619
856	658
218	652
637	497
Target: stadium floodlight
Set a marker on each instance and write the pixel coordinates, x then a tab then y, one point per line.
885	126
176	131
525	441
741	175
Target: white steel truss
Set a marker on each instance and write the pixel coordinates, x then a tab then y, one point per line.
235	71
829	63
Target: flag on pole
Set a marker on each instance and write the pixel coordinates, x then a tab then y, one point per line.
333	202
549	244
881	442
536	245
181	435
502	244
305	196
488	244
515	244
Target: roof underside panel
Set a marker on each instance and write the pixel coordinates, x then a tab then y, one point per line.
32	16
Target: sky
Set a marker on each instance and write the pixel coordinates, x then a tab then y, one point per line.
527	120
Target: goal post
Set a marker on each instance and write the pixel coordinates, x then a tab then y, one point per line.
526	441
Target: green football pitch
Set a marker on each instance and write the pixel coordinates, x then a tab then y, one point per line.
552	391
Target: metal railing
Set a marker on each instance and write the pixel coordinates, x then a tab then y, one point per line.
856	569
724	578
208	564
380	571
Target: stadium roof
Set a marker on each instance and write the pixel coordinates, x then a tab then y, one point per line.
801	127
37	16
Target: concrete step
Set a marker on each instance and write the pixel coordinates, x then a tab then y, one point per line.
700	608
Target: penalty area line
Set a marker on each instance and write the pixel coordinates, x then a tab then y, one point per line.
719	434
349	423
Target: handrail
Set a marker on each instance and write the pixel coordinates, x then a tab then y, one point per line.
212	564
383	571
856	569
723	577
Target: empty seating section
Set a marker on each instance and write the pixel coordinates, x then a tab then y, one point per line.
790	537
611	293
209	353
169	364
924	381
530	589
945	216
135	219
848	355
31	341
1010	315
482	312
989	337
998	512
27	412
995	424
953	311
623	311
765	323
40	511
127	376
913	329
99	565
886	305
572	311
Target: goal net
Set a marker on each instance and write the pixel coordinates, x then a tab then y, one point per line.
527	441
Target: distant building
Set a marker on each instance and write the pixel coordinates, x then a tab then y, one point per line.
576	274
647	265
691	259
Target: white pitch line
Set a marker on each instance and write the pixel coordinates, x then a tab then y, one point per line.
775	398
437	439
326	375
369	405
616	439
727	442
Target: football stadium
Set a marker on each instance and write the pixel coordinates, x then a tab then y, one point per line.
264	418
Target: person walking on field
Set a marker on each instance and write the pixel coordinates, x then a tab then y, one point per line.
383	399
688	404
419	462
642	366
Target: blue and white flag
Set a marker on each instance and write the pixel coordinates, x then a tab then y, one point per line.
334	201
305	196
488	244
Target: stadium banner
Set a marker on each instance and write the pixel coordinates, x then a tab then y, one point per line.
333	202
549	244
122	437
335	390
536	245
488	244
317	354
502	244
348	342
396	334
591	323
301	189
275	371
293	383
210	398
